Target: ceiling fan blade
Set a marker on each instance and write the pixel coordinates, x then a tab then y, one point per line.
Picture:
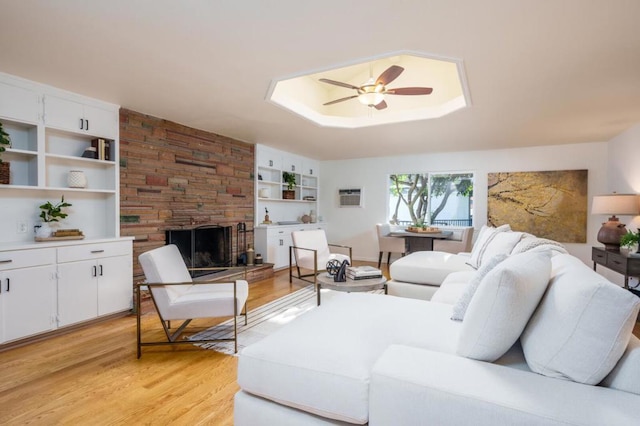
341	100
381	105
389	75
409	91
339	83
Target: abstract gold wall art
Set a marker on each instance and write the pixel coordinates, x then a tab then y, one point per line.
550	204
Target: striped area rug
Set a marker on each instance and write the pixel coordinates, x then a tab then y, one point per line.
260	321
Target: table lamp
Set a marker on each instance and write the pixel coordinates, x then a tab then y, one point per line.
613	230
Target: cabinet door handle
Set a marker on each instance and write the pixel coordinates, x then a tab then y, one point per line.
293	168
97	251
100	270
8	284
310	171
6	261
95	271
87	124
281	242
270	163
82	124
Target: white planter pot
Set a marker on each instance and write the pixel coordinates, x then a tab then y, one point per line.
44	231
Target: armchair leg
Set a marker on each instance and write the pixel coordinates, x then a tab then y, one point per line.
379	259
388	258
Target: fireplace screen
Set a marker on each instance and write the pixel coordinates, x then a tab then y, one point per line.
203	247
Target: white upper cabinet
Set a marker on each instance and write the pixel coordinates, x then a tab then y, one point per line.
68	114
292	163
19	103
269	158
310	167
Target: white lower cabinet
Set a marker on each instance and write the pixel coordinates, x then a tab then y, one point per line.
273	242
93	280
27	293
28	302
42	289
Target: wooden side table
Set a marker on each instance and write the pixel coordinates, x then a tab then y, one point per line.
621	262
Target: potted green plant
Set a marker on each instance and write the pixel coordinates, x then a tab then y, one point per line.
5	142
630	239
290	180
51	213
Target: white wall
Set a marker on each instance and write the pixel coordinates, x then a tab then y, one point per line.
624	168
624	178
356	226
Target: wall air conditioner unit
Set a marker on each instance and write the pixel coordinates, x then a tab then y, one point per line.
350	197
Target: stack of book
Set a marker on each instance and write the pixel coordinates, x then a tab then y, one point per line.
103	148
363	272
68	233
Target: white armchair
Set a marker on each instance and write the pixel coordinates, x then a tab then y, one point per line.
389	244
311	251
176	297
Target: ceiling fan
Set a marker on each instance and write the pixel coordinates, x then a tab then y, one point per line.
372	92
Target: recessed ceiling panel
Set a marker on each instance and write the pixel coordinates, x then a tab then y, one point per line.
392	88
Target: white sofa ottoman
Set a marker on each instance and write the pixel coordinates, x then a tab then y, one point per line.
327	371
419	275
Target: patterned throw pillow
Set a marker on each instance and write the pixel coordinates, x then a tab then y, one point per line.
462	304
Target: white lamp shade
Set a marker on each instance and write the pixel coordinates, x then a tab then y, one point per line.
621	204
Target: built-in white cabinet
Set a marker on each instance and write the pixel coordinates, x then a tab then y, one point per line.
43	289
273	242
19	103
55	283
77	116
93	280
270	183
27	293
50	130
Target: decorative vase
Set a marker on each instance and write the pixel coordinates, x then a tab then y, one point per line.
312	214
76	179
306	218
5	173
44	230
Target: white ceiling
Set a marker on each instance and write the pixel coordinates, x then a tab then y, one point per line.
540	72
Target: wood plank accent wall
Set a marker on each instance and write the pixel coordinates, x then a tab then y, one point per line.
173	176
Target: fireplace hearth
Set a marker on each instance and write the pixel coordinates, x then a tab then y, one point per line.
203	247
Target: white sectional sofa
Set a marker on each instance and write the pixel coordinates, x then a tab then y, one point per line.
543	340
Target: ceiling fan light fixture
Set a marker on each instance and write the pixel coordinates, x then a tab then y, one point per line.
370	98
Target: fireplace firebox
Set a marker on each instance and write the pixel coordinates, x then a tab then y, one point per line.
203	247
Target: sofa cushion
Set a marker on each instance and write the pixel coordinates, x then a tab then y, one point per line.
485	236
626	374
321	362
453	287
502	305
582	325
427	267
461	305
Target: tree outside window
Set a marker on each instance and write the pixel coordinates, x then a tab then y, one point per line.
431	199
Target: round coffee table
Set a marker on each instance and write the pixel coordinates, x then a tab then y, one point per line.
326	281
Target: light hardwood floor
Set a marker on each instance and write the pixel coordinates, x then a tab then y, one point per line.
91	376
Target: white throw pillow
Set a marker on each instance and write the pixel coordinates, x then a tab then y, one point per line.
582	326
486	234
501	243
460	307
502	306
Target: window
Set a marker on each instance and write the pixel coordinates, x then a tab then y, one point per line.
431	199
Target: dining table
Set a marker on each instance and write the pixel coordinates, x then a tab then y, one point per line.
420	241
